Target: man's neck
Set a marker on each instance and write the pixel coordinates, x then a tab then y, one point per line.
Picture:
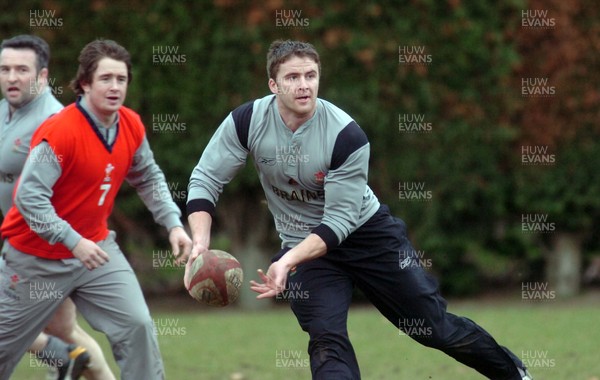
294	121
105	121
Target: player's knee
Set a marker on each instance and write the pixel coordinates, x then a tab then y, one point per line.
62	324
140	323
324	338
320	329
432	341
428	334
61	329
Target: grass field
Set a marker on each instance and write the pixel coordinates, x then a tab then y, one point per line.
560	340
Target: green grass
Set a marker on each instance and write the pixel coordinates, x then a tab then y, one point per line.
225	344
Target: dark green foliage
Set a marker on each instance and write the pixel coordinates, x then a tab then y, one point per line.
466	92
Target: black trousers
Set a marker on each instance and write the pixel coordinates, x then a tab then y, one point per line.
379	259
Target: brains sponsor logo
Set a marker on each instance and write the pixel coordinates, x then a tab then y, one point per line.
300	195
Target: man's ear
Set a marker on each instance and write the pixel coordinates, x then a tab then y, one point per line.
273	86
43	75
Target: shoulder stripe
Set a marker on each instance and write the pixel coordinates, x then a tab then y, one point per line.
241	117
348	141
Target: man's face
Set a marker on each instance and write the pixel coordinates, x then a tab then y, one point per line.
297	86
106	94
19	79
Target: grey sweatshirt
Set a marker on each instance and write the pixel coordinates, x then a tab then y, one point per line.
314	179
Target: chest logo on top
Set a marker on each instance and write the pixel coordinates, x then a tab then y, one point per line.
11	290
17	144
320	177
269	161
108	172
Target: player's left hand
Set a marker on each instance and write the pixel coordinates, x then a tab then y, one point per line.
273	282
181	244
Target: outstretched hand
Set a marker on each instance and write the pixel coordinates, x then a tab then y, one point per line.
273	282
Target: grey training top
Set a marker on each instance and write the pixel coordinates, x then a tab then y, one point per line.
15	138
314	179
37	181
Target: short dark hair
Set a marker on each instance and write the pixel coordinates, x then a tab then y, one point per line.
89	57
280	51
35	43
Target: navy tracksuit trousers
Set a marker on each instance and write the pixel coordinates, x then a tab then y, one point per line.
379	259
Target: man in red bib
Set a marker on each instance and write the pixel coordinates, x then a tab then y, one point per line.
58	241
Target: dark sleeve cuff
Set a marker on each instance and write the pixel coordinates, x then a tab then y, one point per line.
196	205
328	236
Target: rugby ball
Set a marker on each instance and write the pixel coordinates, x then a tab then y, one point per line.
215	278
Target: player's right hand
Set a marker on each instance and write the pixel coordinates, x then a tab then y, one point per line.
90	254
198	248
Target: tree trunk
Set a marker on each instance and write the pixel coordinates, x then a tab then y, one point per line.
563	268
